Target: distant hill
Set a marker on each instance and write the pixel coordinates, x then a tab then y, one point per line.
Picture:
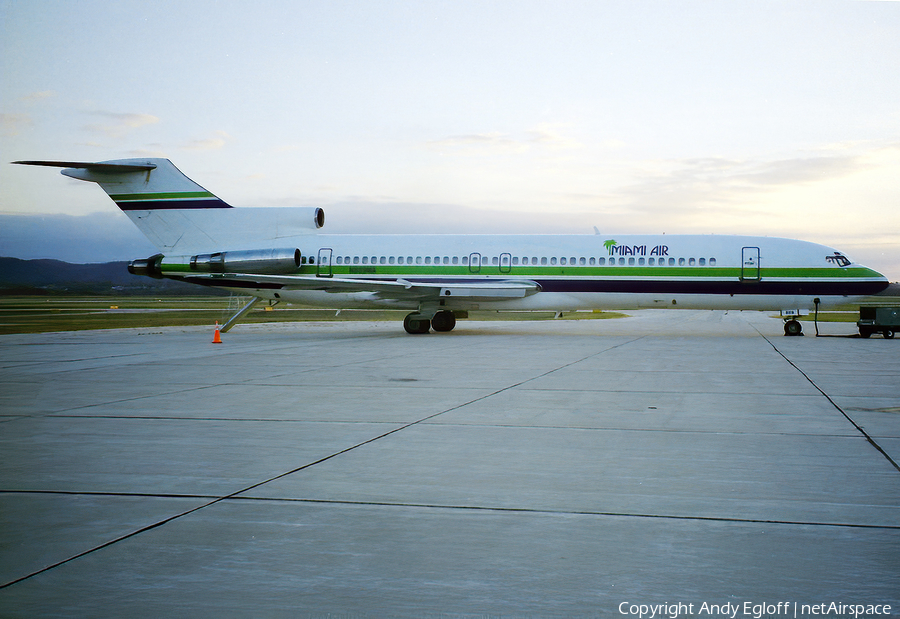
46	277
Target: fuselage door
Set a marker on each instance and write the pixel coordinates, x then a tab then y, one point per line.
323	265
474	262
750	264
505	263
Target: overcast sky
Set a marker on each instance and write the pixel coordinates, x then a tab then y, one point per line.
771	118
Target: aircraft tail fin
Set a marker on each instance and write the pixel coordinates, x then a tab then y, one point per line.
182	218
140	184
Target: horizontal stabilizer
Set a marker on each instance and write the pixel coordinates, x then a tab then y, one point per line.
109	168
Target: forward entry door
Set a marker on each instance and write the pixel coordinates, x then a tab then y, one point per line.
750	264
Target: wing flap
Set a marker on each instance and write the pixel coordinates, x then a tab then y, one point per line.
386	288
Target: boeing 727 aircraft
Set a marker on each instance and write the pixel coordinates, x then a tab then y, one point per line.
279	254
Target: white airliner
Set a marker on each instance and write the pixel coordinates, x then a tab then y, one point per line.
279	254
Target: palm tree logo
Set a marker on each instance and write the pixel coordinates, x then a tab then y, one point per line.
609	245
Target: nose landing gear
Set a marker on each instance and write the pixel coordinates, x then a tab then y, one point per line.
793	327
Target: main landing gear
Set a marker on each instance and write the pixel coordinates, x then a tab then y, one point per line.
442	321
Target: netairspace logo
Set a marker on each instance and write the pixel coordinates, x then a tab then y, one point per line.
752	609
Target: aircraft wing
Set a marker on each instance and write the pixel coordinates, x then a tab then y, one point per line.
484	290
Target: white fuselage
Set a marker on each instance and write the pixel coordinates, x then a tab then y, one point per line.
586	271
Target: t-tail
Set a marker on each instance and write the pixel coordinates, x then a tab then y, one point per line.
181	217
140	184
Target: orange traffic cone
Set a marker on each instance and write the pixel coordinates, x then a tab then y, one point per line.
217	339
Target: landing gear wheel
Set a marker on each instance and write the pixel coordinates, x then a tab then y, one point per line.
414	323
793	327
443	321
888	334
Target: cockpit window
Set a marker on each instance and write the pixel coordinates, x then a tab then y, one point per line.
838	259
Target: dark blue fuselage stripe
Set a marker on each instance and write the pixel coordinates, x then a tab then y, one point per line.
694	286
151	205
796	287
790	288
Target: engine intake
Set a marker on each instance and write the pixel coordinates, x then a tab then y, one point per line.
265	261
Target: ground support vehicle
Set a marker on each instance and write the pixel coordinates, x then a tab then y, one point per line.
884	320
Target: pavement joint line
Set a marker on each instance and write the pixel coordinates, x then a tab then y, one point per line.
567	512
61	412
861	430
474	508
31	364
235	419
663	430
436	423
298	469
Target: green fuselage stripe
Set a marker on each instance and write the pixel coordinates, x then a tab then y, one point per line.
576	272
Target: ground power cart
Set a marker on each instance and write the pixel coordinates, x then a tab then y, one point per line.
884	320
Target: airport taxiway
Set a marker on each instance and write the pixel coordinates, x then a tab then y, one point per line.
539	469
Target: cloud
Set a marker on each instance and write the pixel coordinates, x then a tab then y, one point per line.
34	97
148	152
545	135
493	140
117	125
717	181
797	171
213	143
12	123
549	135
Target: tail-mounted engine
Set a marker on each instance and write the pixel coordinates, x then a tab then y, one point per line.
151	267
264	261
261	261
